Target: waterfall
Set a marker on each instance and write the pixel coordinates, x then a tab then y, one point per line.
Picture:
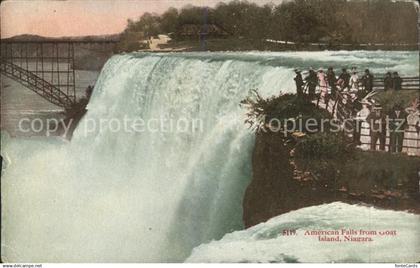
117	195
138	196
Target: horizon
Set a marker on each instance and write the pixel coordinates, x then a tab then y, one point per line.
73	18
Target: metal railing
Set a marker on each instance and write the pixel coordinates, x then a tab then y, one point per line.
336	106
408	83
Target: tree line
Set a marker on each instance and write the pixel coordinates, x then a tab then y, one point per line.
301	21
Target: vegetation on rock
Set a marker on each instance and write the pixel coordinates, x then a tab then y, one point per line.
326	146
263	112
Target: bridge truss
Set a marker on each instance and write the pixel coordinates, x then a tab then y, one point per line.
45	67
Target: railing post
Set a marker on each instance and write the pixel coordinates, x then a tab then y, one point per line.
72	67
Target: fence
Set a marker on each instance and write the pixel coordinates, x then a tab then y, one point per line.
337	108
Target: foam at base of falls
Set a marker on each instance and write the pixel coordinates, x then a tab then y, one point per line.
265	242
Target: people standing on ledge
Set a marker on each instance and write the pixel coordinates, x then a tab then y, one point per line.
388	82
354	108
396	81
299	83
367	81
312	81
397	123
354	81
377	123
413	131
330	85
89	91
323	85
344	79
362	124
332	81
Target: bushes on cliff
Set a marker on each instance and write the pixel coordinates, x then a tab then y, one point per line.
390	98
322	152
325	155
324	145
284	108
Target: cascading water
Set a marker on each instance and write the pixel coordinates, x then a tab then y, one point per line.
136	196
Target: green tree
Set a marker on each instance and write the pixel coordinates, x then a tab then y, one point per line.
191	15
170	20
149	24
331	21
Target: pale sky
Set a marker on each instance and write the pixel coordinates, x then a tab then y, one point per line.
83	17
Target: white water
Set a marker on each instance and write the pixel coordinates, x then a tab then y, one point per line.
136	197
265	242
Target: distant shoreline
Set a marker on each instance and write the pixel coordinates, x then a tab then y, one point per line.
221	44
232	44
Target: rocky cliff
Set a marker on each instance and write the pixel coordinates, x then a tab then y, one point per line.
282	183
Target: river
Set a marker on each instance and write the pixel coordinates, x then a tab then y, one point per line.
18	102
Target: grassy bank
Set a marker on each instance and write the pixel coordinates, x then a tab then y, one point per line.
381	171
366	173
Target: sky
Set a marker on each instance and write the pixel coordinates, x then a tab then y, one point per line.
83	17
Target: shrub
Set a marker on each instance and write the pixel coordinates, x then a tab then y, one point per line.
390	98
324	145
284	107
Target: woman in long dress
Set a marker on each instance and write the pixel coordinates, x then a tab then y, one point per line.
354	82
412	135
364	125
323	85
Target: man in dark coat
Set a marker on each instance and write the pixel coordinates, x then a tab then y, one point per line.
396	81
355	107
388	82
367	81
377	122
332	81
344	79
397	123
299	83
312	81
89	91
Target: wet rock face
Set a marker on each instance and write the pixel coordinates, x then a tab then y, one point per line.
265	190
278	186
273	190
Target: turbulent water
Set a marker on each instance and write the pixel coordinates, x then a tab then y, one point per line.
127	196
266	242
